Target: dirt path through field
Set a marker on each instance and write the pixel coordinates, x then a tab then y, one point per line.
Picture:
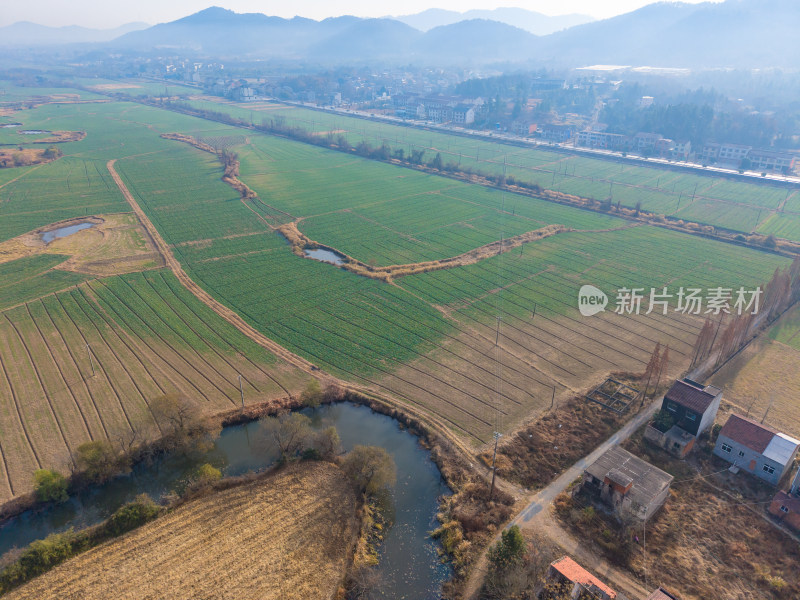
223	311
234	319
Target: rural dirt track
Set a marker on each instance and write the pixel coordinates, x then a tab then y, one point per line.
222	310
234	319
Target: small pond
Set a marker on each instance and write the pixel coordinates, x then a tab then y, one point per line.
62	232
410	567
325	256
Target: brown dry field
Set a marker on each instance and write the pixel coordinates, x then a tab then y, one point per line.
764	382
459	381
287	537
59	137
146	340
33	156
116	245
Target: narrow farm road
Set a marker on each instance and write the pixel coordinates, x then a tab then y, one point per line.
536	517
301	363
226	313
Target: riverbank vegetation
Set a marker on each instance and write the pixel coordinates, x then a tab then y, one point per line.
189	551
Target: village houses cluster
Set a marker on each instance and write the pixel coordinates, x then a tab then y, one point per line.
634	490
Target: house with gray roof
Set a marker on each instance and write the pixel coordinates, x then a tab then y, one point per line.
630	486
756	448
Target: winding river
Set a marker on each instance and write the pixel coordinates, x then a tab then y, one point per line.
410	567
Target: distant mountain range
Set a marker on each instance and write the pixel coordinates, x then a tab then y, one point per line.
734	33
25	34
530	21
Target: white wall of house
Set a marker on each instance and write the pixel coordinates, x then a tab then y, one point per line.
750	461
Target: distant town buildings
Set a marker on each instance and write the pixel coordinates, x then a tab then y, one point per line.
645	102
439	109
602	140
546	85
738	156
556	133
771	160
654	144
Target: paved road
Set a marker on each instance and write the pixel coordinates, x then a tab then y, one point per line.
504	136
536	516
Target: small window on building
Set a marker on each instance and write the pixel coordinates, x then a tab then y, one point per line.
672	406
691	416
726	448
784	509
768	469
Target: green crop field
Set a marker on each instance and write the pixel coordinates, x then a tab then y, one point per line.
147	336
429	339
11	92
724	203
33	277
134	87
432	339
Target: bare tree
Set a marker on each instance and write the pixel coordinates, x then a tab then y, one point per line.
362	583
327	443
663	366
651	369
370	468
129	440
290	432
702	345
181	422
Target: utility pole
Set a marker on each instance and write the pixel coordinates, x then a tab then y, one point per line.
497	436
553	399
91	360
644	546
241	390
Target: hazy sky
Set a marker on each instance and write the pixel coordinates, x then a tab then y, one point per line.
111	13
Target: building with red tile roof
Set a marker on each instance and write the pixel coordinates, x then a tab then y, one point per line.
756	448
566	569
787	508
